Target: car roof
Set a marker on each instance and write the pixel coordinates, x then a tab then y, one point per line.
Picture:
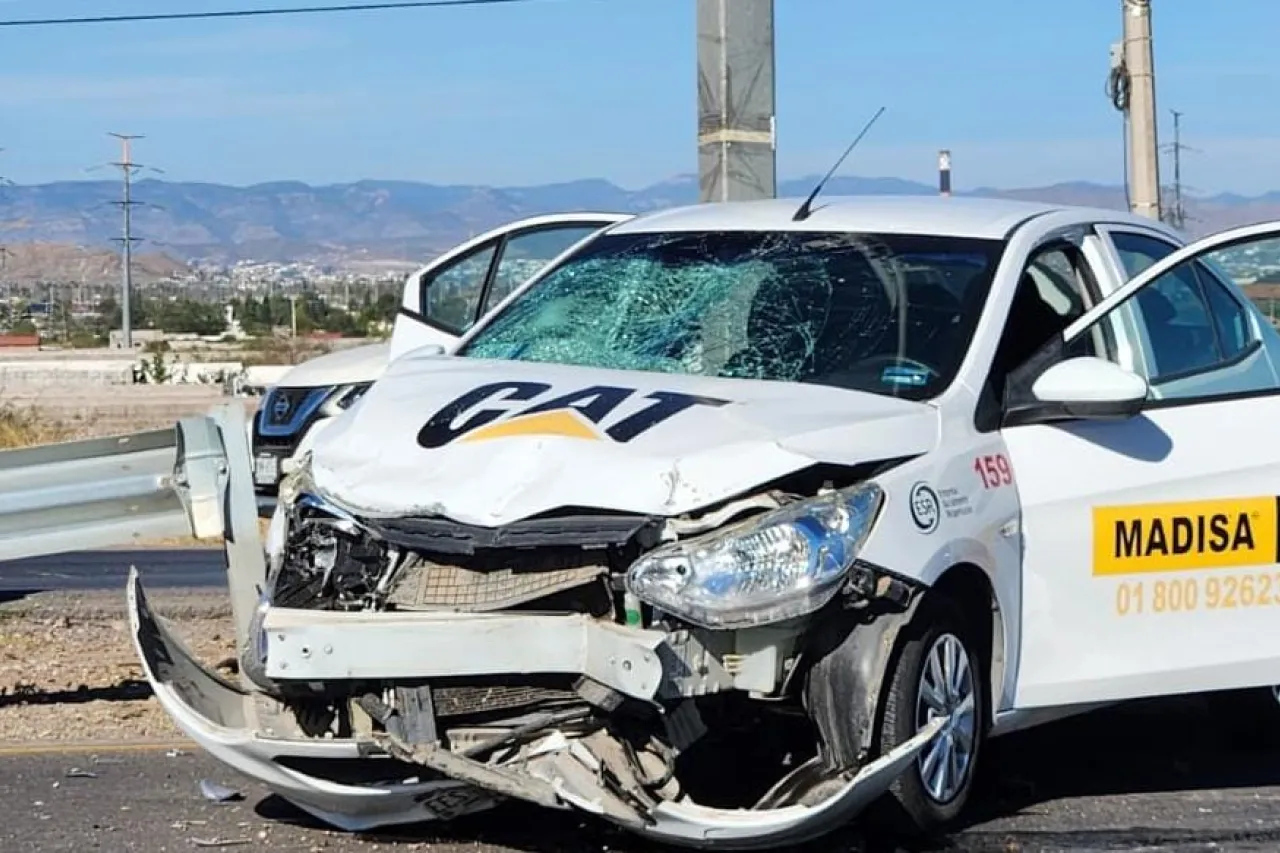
949	216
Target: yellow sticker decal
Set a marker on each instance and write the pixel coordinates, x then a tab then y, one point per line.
1170	537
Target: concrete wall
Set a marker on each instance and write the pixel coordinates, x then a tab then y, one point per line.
119	409
66	371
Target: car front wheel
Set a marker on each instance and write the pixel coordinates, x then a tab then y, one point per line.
937	672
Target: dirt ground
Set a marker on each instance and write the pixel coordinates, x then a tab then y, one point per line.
191	541
68	670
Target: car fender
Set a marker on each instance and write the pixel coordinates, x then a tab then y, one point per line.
845	683
962	517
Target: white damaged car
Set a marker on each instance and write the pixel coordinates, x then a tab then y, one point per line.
738	520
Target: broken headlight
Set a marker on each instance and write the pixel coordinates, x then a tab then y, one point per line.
775	566
297	482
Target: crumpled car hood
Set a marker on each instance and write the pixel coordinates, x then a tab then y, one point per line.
491	442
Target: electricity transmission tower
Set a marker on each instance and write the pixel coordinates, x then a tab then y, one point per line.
4	251
127	167
5	254
1177	215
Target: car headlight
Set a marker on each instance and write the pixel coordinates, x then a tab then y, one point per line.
779	565
343	398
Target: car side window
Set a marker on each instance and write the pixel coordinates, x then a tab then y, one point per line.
1180	333
526	253
1192	324
1139	251
1055	288
1052	291
451	295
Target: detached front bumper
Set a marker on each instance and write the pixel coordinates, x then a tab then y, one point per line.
221	718
315	645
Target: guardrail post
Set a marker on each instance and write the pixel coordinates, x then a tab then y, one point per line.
246	560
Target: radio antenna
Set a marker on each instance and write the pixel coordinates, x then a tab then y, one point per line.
807	208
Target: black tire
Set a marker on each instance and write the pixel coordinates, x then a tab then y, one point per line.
909	808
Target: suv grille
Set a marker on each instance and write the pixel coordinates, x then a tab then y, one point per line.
286	410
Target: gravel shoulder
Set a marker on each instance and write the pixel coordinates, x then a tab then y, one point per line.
69	672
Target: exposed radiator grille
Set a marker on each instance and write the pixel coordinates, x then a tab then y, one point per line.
491	581
460	701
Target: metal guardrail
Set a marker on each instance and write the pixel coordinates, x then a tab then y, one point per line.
103	492
89	494
192	479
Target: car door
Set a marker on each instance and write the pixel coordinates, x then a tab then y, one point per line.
446	298
1150	560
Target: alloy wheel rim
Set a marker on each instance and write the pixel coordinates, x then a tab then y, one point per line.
946	689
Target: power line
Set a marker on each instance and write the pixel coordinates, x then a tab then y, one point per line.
256	13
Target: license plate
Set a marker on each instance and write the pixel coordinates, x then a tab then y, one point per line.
266	470
451	802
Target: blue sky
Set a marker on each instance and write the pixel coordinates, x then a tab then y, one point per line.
564	89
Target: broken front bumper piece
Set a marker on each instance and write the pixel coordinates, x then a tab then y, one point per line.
341	782
420	782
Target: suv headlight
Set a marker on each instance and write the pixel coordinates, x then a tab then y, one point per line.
343	397
295	482
779	565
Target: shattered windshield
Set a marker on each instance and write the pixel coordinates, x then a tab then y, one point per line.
886	313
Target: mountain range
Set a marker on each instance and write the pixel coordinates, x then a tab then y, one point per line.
345	224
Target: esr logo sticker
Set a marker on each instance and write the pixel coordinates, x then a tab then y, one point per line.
926	509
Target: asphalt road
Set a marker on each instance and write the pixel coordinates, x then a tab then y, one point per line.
1162	776
159	567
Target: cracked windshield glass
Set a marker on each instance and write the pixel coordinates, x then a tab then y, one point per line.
886	313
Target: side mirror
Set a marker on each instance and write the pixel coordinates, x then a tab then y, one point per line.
428	351
1085	387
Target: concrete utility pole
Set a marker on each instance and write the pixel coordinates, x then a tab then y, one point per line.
126	239
1139	66
737	139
